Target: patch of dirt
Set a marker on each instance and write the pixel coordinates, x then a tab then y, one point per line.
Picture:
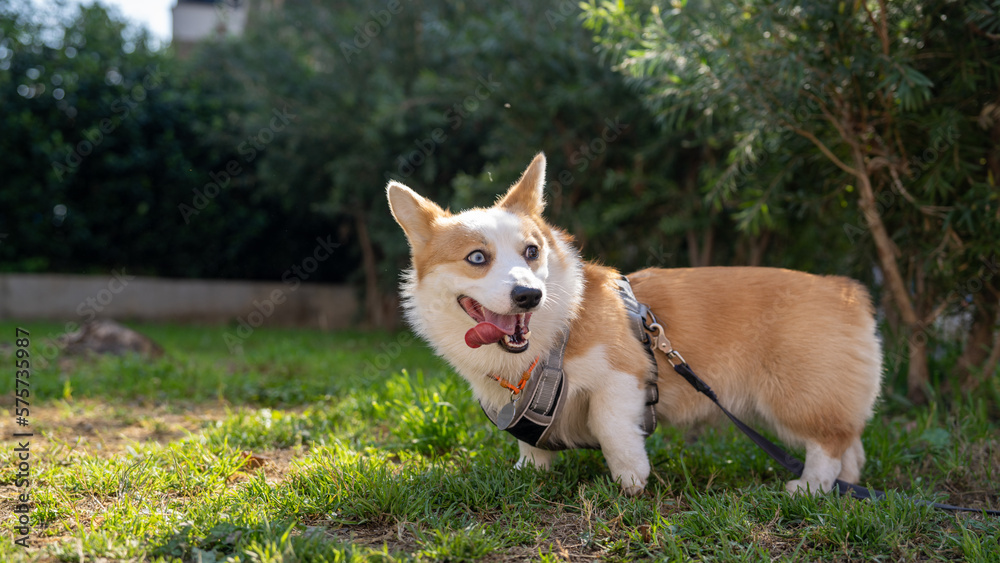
398	537
275	464
567	539
105	430
66	432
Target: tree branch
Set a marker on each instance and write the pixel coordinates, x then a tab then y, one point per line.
883	243
825	150
929	319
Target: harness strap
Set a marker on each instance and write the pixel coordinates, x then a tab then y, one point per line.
537	405
637	313
785	459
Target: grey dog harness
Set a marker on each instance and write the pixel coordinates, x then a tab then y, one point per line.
530	414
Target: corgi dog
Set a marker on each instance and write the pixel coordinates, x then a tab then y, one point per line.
492	289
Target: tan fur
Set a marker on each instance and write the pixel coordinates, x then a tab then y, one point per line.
796	346
793	350
602	319
451	245
415	214
522	198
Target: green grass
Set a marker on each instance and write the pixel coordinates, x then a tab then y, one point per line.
377	452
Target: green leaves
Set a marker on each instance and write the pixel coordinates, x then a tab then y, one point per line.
110	147
892	91
911	87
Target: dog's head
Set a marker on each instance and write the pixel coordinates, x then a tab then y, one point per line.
499	275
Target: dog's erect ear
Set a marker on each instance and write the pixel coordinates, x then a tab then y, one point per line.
413	212
525	196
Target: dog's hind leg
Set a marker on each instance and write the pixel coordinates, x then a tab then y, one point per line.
530	455
852	461
820	472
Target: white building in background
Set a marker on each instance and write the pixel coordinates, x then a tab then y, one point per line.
196	20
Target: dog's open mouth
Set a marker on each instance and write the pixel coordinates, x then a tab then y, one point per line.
510	331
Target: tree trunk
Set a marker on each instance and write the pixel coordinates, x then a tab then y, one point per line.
703	256
977	346
891	315
390	311
757	247
698	254
981	353
917	376
693	254
708	243
374	306
989	366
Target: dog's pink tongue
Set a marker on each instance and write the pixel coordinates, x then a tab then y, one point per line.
492	330
483	333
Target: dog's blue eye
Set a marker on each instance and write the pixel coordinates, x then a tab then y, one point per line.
476	257
531	253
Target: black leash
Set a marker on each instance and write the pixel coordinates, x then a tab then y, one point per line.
790	462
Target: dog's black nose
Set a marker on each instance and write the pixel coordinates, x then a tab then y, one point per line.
526	297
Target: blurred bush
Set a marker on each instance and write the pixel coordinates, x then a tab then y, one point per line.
104	139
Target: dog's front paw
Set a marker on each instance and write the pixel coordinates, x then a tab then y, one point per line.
544	465
530	455
630	471
632	483
803	487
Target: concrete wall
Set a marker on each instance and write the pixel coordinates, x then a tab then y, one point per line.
121	296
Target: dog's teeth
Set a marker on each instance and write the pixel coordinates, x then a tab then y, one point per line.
515	345
526	335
